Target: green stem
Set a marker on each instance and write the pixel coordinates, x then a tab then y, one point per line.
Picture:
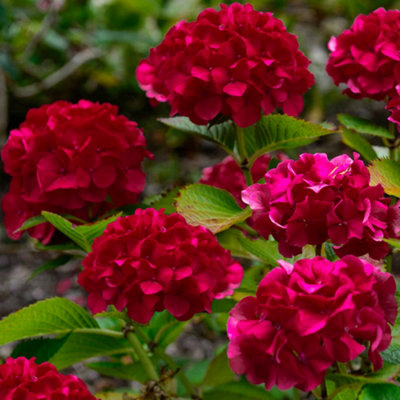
159	352
104	332
142	355
389	261
342	367
324	393
244	159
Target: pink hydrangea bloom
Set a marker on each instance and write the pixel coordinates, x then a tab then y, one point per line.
81	159
236	62
150	262
309	315
311	200
366	56
227	175
23	379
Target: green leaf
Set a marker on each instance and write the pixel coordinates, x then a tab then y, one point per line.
164	200
56	247
280	132
130	372
42	348
350	392
229	240
362	125
31	222
81	346
329	252
223	305
264	250
214	208
392	354
387	173
223	134
92	231
219	371
238	390
67	229
393	242
358	143
52	264
382	391
122	395
51	316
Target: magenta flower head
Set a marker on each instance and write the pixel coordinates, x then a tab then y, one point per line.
80	159
236	62
394	107
312	200
151	262
309	315
227	175
23	379
366	57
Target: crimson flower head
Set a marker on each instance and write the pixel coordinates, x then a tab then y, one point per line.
309	315
313	199
23	379
366	57
394	107
151	262
236	62
80	159
227	175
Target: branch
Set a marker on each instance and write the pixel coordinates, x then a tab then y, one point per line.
56	77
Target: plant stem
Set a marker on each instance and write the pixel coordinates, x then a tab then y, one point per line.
104	332
244	159
142	355
318	249
389	261
324	393
159	352
342	367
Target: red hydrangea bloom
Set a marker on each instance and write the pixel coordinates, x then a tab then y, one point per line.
150	262
366	56
311	200
394	107
236	62
23	379
309	315
227	175
80	159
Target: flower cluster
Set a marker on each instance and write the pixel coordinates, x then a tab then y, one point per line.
394	107
227	175
150	261
307	316
21	378
311	200
79	159
366	56
235	62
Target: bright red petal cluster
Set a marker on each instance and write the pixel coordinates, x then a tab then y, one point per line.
80	159
236	62
227	175
150	262
311	200
23	379
307	316
366	56
394	107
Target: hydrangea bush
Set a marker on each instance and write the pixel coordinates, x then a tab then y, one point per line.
290	258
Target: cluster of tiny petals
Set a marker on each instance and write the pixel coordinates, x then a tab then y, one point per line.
307	316
150	262
236	62
227	175
23	379
314	199
394	107
366	56
79	159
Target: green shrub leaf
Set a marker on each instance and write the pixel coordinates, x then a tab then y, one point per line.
214	208
52	264
280	132
223	134
129	372
387	173
359	143
362	125
51	316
